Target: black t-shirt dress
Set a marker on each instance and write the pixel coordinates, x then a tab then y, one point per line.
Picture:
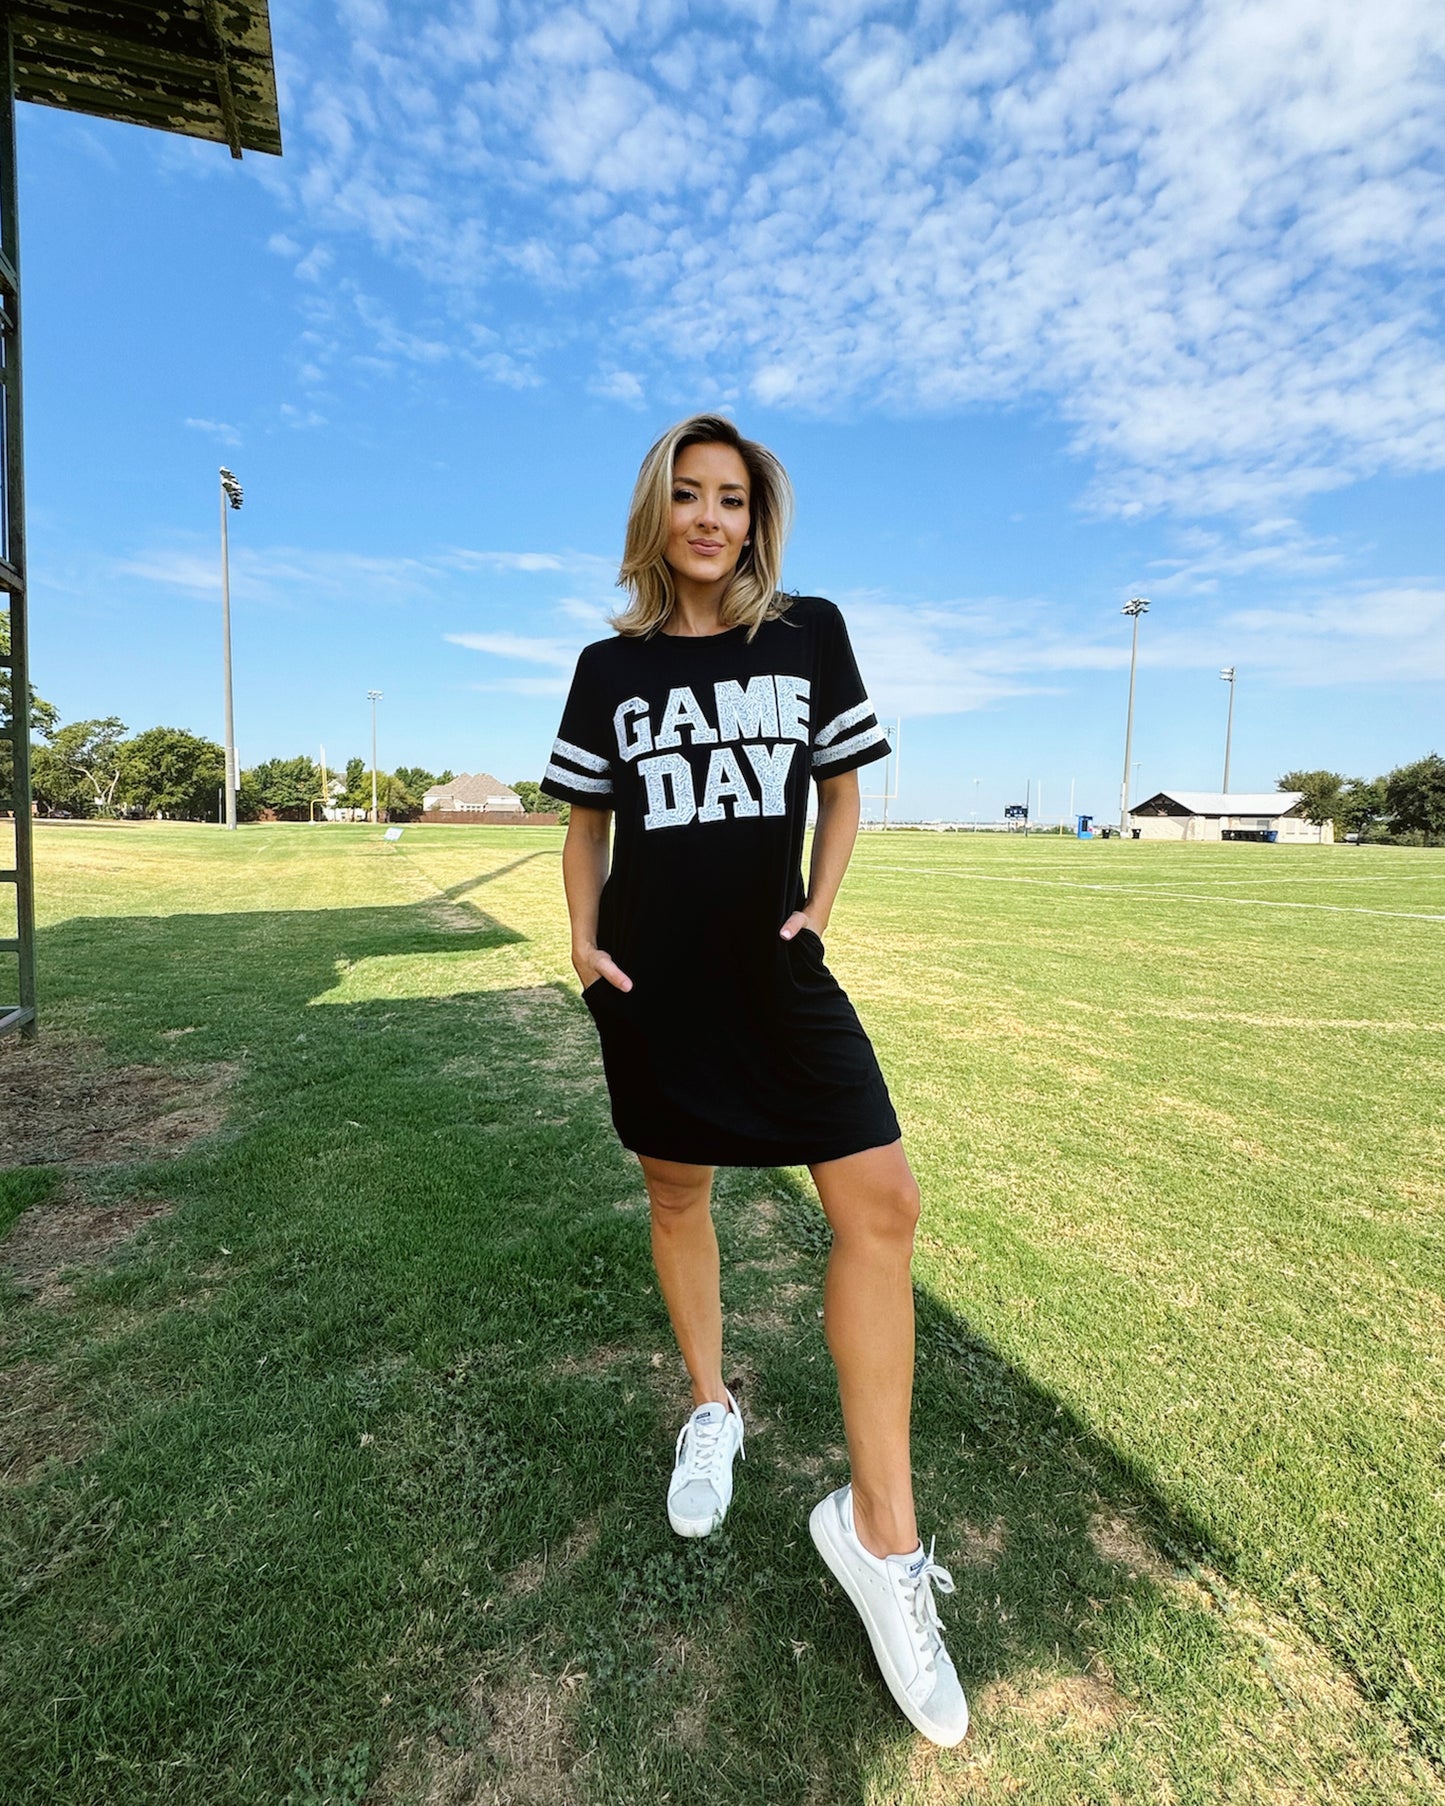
734	1047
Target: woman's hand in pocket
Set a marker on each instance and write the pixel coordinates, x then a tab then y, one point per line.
800	919
591	963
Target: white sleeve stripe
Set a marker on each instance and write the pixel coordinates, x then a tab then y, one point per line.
569	781
870	736
849	718
577	755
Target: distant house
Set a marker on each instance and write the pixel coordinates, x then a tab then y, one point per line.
1230	815
473	794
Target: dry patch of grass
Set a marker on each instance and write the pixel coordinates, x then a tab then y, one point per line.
40	1423
68	1231
983	1546
529	1738
1072	1705
1116	1540
531	1575
519	1751
63	1107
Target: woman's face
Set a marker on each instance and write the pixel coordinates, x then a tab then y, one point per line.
711	513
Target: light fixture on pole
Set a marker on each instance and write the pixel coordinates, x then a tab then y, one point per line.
375	697
230	497
1135	606
1227	676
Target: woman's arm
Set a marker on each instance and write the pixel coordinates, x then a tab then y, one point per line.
838	811
585	854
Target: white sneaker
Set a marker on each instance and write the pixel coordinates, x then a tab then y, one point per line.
701	1487
894	1597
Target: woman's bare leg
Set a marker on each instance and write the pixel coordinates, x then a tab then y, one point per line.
685	1253
871	1201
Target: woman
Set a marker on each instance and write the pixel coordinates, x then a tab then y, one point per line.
725	1039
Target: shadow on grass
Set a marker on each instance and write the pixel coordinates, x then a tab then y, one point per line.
468	885
369	1496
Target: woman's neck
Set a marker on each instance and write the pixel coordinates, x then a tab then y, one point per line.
697	607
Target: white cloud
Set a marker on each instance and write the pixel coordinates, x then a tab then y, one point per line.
280	575
1208	233
953	656
527	686
519	646
218	429
618	385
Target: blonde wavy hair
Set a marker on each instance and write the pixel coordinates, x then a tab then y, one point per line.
754	594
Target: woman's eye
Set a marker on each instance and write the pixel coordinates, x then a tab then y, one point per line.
734	501
683	495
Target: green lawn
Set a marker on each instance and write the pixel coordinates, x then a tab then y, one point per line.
344	1480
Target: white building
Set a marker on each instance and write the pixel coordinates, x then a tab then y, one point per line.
470	794
1232	815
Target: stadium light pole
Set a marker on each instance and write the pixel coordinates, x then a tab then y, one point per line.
1227	676
1135	606
230	498
374	697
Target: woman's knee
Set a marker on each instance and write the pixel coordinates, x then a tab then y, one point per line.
673	1189
888	1210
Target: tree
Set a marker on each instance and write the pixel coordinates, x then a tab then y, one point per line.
1323	794
415	779
90	751
537	801
167	771
1415	797
357	794
55	787
288	787
394	800
249	801
44	716
1363	804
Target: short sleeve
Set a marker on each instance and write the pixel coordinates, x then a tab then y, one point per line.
847	734
579	769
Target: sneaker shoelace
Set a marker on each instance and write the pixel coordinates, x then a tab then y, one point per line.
922	1609
704	1450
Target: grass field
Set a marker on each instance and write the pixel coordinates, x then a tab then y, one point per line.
342	1480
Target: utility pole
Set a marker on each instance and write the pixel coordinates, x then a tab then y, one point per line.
375	697
889	792
1135	606
1227	675
230	498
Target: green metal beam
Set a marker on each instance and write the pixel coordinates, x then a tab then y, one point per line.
21	875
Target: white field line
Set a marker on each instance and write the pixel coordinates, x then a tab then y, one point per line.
1307	1022
1154	890
1195	878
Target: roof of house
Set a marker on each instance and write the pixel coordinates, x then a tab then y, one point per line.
1216	802
468	787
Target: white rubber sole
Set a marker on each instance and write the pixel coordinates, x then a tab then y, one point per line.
694	1526
824	1529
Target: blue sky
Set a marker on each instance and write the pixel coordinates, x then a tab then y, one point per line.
1042	305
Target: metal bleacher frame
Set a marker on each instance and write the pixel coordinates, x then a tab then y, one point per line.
202	68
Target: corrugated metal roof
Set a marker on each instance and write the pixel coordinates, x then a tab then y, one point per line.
1233	802
201	67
